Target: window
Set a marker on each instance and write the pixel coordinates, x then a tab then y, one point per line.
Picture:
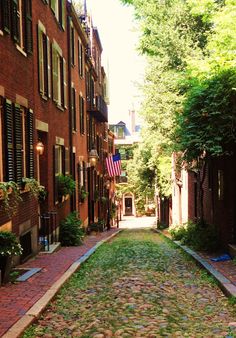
18	142
220	177
59	167
81	58
58	160
81	114
73	107
16	19
67	161
58	8
120	132
72	43
44	62
105	132
110	146
59	76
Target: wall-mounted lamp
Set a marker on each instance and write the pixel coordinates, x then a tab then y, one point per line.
93	157
40	147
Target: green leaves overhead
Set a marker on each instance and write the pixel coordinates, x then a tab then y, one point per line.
189	90
208	122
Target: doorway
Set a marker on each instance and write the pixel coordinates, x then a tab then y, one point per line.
128	206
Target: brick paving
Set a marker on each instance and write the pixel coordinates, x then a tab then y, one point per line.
227	268
17	299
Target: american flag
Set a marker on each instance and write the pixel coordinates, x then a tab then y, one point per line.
113	163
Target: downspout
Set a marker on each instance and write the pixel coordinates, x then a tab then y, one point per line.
69	97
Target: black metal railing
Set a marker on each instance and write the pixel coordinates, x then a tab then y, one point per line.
48	230
98	108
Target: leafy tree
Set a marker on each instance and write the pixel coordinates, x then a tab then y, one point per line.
189	89
207	125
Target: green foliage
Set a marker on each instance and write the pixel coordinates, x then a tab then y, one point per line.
83	194
189	84
66	185
37	190
161	226
97	226
199	236
71	233
113	210
208	122
9	197
9	246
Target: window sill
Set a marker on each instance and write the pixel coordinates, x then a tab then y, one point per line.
60	107
21	50
43	97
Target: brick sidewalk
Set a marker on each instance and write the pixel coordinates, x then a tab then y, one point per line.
17	299
226	268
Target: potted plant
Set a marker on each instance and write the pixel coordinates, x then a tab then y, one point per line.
65	185
9	197
96	195
83	194
104	200
33	186
9	247
71	232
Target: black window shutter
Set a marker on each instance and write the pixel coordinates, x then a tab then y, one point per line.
9	141
45	62
79	180
15	21
28	27
55	190
63	160
1	15
6	11
30	144
84	175
74	109
18	144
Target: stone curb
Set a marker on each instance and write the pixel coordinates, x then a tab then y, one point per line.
34	312
228	288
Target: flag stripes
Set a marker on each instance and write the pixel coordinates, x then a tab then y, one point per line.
113	164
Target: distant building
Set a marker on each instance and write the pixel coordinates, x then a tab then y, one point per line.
127	136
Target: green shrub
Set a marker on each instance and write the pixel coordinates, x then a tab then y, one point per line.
66	185
9	245
199	236
97	226
71	233
161	226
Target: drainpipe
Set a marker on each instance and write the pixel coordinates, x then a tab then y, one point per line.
69	97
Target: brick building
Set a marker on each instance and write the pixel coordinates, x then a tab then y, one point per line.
219	197
17	159
52	94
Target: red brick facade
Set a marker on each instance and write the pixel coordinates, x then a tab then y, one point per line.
51	73
219	197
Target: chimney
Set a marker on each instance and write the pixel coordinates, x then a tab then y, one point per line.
132	120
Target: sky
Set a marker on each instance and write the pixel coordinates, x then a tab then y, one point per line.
121	60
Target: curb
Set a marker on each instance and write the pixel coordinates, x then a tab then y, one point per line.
228	288
34	312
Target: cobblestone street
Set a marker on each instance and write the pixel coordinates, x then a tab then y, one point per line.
138	285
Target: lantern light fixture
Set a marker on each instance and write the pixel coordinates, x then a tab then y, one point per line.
93	157
40	147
